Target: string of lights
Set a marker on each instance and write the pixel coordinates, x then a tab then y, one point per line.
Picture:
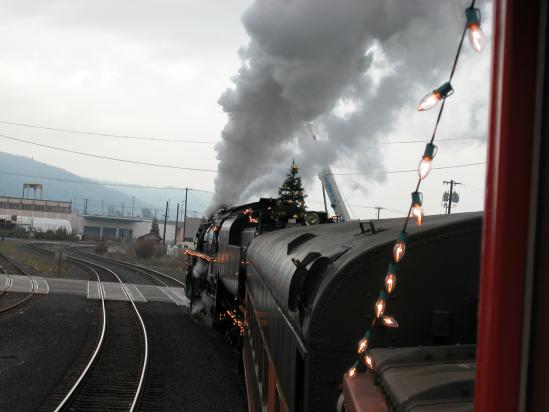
440	94
119	136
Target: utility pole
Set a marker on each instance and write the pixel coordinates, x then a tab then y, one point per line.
133	203
165	221
185	214
452	183
85	206
123	205
176	222
378	208
101	207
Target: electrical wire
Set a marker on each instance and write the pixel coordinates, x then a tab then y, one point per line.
413	170
420	141
86	182
115	159
156	139
119	136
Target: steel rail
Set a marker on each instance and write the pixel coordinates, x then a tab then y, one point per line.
99	346
143	269
15	265
8	285
34	287
34	284
143	328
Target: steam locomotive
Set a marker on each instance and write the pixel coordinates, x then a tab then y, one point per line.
297	300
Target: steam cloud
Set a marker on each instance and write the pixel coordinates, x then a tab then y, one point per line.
349	65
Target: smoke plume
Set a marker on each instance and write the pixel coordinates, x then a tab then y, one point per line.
351	66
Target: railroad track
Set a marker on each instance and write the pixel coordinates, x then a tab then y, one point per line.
113	378
159	277
24	299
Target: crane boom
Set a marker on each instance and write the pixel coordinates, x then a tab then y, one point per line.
334	194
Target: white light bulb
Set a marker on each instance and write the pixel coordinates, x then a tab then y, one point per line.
429	101
425	166
417	213
398	251
476	37
380	307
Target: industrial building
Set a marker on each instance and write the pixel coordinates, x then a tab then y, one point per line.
43	215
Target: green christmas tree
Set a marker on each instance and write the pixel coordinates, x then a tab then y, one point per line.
154	227
291	191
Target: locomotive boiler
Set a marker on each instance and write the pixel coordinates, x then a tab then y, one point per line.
299	299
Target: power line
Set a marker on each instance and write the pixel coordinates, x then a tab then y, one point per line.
119	136
362	207
115	159
413	170
417	141
157	139
100	183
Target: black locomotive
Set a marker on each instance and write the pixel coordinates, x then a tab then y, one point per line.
299	299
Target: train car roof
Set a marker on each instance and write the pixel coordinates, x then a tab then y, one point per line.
320	252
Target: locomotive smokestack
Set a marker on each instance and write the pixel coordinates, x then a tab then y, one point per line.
352	66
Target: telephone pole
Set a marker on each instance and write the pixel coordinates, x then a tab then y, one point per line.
176	222
133	203
378	208
85	206
185	213
165	221
452	183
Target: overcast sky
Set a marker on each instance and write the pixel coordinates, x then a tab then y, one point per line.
158	68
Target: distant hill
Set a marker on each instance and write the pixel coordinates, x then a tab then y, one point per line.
60	184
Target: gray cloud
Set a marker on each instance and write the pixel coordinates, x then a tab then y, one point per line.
304	59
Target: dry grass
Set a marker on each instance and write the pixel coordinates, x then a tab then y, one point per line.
33	263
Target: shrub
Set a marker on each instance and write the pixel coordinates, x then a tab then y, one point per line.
159	251
144	249
101	248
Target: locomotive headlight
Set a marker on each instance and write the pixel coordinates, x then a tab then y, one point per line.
417	208
426	163
363	343
400	247
431	99
380	304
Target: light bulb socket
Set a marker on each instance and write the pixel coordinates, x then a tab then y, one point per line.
392	269
430	151
382	295
473	16
403	237
417	198
445	90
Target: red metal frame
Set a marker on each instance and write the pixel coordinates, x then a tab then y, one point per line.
507	205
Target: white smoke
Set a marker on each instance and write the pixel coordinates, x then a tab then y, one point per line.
204	305
200	268
349	65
